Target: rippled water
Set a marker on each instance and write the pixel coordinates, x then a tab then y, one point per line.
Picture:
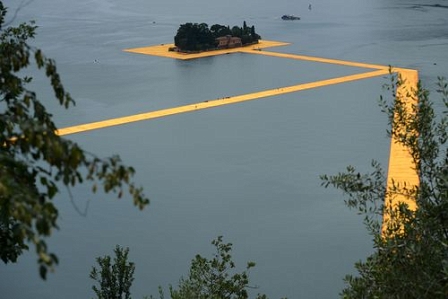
247	171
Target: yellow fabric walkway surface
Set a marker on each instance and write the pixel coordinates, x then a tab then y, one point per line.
401	168
163	50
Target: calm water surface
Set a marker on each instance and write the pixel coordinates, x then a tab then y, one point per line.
247	171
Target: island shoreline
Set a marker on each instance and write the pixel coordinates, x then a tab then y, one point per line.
163	50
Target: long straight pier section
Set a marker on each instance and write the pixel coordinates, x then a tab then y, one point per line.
401	168
216	102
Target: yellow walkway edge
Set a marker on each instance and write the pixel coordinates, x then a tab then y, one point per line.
215	103
400	170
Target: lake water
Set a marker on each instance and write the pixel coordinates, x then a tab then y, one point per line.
248	171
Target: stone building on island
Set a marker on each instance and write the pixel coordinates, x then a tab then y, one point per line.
228	41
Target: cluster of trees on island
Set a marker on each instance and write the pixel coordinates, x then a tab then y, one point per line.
199	37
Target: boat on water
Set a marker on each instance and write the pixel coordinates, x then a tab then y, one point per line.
290	17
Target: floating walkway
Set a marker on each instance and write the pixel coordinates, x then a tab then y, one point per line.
163	50
401	168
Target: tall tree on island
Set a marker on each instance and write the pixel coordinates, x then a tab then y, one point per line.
254	35
220	30
194	37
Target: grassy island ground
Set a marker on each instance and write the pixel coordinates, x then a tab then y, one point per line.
163	50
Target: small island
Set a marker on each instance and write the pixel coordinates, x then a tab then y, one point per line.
195	38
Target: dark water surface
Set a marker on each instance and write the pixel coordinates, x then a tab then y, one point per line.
247	171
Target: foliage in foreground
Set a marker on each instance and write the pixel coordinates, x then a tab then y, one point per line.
411	250
34	161
214	278
114	278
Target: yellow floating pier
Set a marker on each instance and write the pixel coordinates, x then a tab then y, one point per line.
163	50
401	168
